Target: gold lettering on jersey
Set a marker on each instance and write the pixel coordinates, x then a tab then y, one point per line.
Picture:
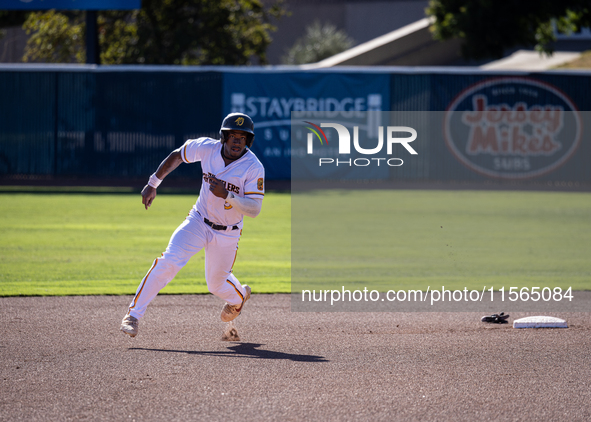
230	187
233	188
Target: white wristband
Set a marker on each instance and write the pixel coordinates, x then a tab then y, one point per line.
230	195
154	181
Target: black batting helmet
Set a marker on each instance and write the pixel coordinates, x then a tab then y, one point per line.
238	121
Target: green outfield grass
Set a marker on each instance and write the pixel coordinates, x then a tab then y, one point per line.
82	244
414	239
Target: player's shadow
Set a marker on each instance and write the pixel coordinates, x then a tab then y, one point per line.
245	350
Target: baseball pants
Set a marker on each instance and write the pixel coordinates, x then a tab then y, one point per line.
189	238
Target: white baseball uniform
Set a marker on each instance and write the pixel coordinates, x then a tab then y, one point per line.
243	177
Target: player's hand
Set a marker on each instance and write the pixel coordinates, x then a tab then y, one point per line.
148	195
216	187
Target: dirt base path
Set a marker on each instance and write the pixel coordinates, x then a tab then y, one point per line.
65	359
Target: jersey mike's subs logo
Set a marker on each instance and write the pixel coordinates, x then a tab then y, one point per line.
512	128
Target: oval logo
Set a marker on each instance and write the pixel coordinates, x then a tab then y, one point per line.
512	127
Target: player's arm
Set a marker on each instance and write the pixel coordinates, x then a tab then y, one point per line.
247	206
166	167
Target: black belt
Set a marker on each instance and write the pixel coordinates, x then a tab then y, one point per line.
217	226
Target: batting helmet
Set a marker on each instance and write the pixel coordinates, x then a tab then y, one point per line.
238	121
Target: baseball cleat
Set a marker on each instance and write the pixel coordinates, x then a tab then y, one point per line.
230	312
129	325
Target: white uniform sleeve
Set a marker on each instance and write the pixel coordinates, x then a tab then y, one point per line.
254	186
254	192
193	149
247	206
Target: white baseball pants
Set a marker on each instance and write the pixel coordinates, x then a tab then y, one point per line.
189	238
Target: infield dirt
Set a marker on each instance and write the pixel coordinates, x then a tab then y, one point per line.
64	358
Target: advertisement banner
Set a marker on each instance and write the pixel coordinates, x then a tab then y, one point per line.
270	98
509	128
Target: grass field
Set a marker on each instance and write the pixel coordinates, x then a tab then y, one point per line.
74	243
79	244
415	239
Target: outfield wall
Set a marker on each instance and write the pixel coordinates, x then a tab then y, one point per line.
121	121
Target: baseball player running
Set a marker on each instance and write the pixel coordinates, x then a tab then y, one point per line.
233	186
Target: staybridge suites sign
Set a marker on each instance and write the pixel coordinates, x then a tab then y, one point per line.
512	127
271	98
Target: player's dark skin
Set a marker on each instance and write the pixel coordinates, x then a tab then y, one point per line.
235	146
233	149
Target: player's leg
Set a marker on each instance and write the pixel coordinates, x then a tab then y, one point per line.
188	239
220	255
